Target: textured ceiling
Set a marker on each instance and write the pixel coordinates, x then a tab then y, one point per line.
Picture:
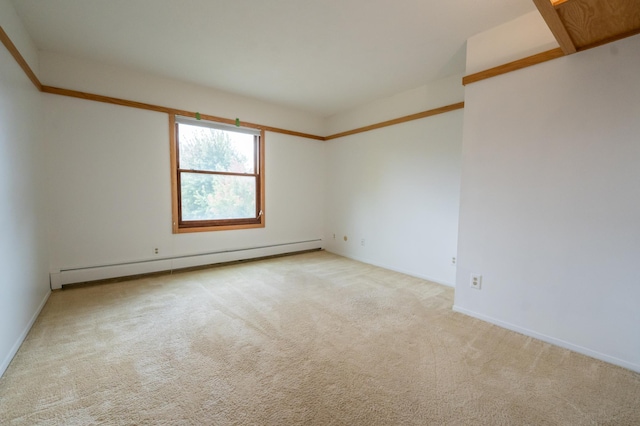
320	56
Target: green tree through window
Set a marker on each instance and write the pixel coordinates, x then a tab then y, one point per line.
217	173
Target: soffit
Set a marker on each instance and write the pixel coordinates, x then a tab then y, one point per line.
319	56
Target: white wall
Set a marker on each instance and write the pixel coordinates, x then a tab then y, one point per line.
548	212
109	192
109	175
550	202
398	187
437	94
513	40
24	283
109	80
12	25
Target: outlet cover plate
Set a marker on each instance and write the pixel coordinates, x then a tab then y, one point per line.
476	281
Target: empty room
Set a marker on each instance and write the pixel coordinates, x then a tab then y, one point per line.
297	212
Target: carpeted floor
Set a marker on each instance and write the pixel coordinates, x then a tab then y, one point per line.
311	339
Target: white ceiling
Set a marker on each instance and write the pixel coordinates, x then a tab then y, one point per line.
322	56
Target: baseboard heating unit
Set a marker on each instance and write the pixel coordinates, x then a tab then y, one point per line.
124	269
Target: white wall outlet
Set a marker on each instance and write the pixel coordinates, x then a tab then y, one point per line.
362	242
156	250
476	281
453	260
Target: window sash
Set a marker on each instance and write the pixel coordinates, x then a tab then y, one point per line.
256	147
216	125
255	187
180	225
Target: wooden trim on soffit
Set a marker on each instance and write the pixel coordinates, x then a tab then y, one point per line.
157	108
6	41
513	66
167	110
395	121
19	59
577	25
546	8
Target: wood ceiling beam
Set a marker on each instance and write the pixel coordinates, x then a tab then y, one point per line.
550	16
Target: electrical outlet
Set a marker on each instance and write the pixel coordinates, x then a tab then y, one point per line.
476	281
362	242
156	251
453	260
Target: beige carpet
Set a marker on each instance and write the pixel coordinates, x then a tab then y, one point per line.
312	339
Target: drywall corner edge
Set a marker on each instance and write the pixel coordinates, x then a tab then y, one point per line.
16	346
391	268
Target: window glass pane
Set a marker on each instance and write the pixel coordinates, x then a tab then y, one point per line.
202	148
212	197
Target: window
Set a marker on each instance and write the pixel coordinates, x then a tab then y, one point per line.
217	176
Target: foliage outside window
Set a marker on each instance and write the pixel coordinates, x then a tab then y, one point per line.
217	176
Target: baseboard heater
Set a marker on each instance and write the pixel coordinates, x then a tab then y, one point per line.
124	269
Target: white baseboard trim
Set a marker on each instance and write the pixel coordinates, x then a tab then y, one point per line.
23	335
558	342
94	273
391	268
